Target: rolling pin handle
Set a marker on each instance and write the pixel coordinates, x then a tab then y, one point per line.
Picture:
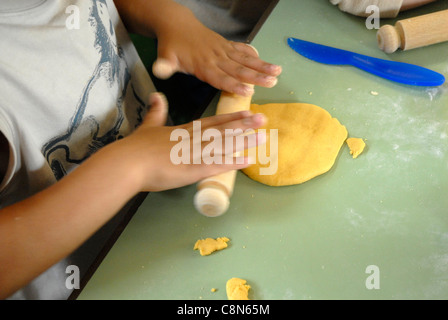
211	202
213	196
163	69
414	32
389	39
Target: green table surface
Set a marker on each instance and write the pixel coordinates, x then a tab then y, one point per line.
318	240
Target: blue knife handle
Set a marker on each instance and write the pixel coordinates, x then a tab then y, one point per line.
398	71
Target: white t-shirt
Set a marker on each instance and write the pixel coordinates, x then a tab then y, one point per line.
71	82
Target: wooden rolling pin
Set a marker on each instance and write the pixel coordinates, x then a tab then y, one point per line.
414	32
212	197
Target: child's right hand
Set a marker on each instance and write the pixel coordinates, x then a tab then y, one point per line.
411	4
149	147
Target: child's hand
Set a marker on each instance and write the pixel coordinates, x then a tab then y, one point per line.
149	147
226	65
411	4
186	45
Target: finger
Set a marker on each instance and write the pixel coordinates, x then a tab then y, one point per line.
242	73
220	119
253	122
225	139
230	137
246	48
233	122
226	148
158	112
228	162
253	49
218	78
247	55
245	142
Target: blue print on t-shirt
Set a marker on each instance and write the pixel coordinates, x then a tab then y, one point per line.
85	133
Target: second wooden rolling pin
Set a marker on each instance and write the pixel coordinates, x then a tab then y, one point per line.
415	32
212	197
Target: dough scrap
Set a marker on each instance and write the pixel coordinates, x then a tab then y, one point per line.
309	141
209	245
237	289
356	146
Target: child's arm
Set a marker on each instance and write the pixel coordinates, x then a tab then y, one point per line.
411	4
41	230
388	8
190	47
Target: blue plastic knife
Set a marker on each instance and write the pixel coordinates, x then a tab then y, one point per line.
395	71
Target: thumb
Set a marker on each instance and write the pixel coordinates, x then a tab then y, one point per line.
158	111
164	68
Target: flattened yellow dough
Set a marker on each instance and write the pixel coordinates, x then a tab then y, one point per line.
237	289
209	245
356	146
309	140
